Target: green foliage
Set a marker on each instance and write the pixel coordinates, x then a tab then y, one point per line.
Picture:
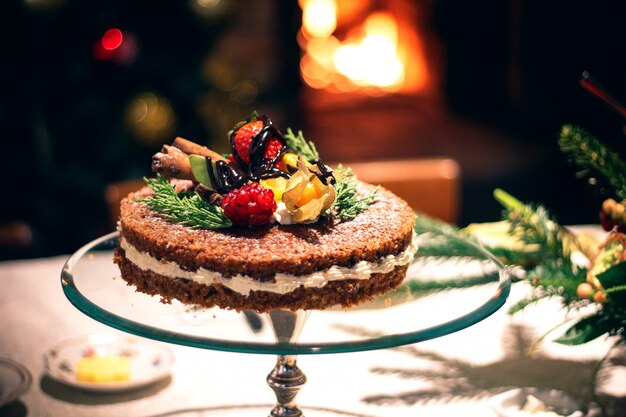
585	330
533	225
553	274
593	157
422	286
301	146
556	276
464	244
449	244
614	276
187	209
523	258
427	224
348	204
553	279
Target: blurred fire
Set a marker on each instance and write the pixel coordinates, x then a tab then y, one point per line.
378	52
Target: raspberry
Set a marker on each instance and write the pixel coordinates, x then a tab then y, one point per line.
250	205
273	148
243	138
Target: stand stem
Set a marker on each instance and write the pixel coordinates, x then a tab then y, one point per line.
286	378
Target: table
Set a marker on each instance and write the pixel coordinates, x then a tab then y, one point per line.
450	376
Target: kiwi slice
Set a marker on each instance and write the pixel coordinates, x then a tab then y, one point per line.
200	166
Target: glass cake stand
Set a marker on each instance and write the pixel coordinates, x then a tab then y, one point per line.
451	284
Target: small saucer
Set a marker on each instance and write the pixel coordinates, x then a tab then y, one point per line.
511	403
149	361
15	380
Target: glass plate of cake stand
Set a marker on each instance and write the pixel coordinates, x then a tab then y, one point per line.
451	285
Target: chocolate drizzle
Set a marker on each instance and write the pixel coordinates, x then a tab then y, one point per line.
224	177
325	174
261	167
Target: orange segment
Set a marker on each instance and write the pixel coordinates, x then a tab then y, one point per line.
277	185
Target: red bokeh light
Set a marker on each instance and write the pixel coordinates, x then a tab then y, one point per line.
116	46
112	39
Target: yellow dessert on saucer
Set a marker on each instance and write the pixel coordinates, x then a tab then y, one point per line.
103	369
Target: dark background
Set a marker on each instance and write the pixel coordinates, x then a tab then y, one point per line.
511	66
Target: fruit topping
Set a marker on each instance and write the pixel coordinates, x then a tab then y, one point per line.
312	191
200	167
289	162
277	185
250	205
256	146
306	196
219	175
257	178
243	138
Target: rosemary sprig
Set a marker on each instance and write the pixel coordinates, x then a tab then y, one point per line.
186	209
301	146
593	157
348	204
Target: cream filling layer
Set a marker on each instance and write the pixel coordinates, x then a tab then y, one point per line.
284	283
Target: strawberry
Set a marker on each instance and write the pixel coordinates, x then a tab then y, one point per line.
242	140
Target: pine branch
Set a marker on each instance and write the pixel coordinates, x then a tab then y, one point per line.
301	146
459	244
430	286
533	225
185	209
553	279
557	278
523	258
427	224
523	303
593	157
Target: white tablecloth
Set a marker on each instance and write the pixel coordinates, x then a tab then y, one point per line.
450	376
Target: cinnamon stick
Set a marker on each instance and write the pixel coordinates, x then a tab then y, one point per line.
190	147
209	194
172	163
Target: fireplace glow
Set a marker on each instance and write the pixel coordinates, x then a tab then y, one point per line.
380	54
374	60
319	18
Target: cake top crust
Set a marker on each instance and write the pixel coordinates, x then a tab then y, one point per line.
385	228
